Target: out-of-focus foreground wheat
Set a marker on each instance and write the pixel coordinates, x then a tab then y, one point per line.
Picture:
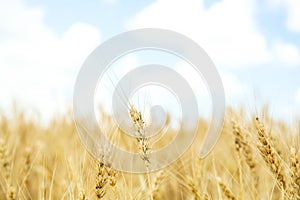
255	158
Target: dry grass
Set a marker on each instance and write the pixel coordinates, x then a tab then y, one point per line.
255	158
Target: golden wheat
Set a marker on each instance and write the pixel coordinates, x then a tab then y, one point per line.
49	162
143	142
269	154
295	175
225	189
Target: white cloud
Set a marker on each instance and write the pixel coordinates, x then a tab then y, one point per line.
110	79
194	79
289	112
297	97
293	12
235	90
293	18
37	66
287	54
227	30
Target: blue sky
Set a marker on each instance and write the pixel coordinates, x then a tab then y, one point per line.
109	16
254	44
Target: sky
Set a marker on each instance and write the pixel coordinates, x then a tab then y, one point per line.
254	44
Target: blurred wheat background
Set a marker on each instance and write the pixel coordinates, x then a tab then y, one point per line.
255	158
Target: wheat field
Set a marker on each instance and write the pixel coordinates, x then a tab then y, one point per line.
256	157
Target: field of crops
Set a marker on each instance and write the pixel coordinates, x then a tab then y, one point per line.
255	158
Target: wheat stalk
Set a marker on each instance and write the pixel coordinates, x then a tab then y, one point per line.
242	145
226	191
6	165
269	154
25	171
295	175
101	180
157	184
144	146
194	190
82	195
112	175
4	160
11	193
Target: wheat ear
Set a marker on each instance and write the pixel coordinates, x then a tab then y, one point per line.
227	192
144	147
101	181
242	145
295	175
269	154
